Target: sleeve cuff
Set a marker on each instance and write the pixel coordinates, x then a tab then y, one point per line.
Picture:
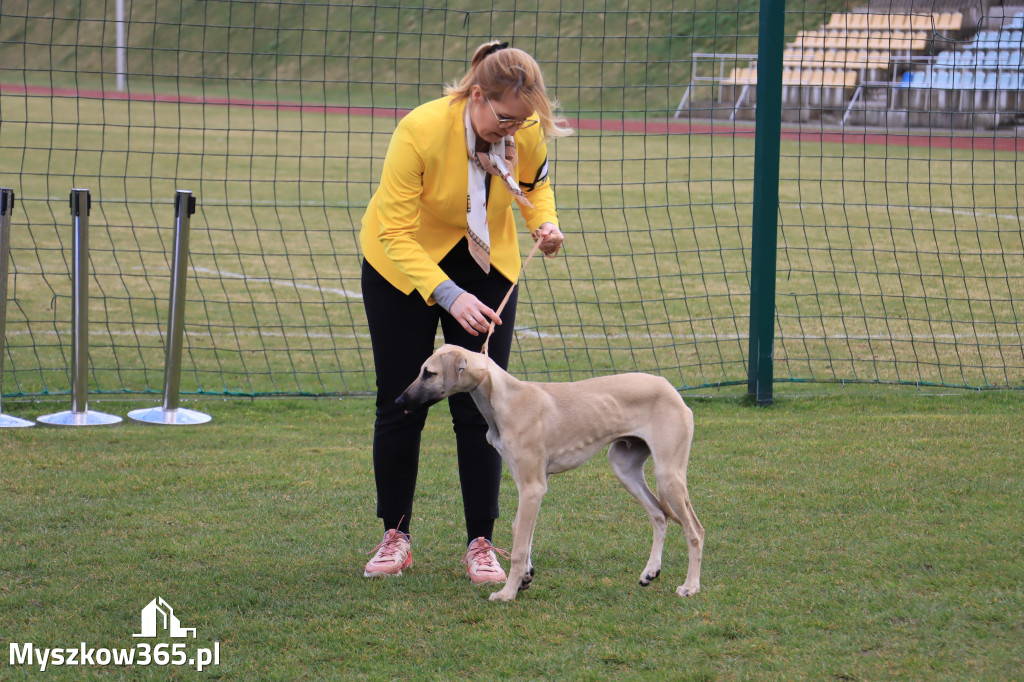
446	293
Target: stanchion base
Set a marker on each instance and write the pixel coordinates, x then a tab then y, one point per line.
7	421
70	418
178	417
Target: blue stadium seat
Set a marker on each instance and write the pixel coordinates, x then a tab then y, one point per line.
1009	80
963	59
942	79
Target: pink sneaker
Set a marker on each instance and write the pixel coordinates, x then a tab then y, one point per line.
393	554
482	565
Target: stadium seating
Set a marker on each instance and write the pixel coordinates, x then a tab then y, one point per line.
823	67
828	67
867	39
985	75
942	22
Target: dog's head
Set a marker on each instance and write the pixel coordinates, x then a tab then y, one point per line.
443	374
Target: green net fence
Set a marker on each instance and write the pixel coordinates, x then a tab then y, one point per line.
899	242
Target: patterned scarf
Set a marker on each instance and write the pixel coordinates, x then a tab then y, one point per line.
487	159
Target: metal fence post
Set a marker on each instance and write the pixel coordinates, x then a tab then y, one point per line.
764	236
6	208
79	415
169	412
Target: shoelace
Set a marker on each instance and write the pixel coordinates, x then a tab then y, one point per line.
485	560
389	546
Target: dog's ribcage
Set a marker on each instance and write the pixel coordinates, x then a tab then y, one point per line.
610	413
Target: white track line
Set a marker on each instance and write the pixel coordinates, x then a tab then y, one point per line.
345	293
196	331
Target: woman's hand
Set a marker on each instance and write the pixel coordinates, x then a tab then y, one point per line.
550	238
472	314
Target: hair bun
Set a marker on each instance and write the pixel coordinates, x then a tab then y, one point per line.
494	48
486	50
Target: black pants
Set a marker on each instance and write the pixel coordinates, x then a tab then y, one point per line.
402	332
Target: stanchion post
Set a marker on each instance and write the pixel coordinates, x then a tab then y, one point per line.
6	208
81	207
170	413
79	415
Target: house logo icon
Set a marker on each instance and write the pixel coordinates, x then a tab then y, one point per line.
158	614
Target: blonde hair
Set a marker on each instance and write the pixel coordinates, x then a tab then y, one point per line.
500	70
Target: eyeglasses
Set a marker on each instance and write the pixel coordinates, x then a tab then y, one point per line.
512	123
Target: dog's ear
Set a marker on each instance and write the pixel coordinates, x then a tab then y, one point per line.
454	364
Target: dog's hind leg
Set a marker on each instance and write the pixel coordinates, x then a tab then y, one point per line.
672	488
627	457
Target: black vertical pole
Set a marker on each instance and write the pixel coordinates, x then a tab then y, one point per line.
764	237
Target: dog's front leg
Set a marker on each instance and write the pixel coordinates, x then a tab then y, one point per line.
528	578
530	497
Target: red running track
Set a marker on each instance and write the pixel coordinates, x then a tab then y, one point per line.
966	141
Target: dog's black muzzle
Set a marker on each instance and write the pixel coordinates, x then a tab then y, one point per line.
410	402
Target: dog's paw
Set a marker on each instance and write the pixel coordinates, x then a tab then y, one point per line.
527	579
503	595
687	591
648	579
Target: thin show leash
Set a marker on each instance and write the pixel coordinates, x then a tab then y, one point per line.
490	327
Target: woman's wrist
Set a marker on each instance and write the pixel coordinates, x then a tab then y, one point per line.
446	293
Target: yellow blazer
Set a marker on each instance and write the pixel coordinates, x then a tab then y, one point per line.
418	212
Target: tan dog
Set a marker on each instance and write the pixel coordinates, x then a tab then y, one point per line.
541	429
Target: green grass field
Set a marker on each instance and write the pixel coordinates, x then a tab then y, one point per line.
857	529
848	537
895	265
622	56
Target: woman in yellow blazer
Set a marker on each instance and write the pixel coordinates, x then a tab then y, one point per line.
439	246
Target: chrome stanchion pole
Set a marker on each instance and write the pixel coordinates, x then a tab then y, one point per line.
169	413
6	208
79	415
